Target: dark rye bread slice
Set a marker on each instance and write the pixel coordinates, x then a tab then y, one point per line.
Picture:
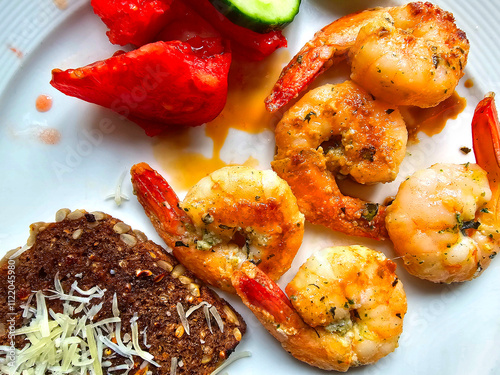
97	249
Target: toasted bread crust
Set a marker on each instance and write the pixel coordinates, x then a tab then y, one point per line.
147	281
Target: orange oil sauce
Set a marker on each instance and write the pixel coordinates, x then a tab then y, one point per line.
469	83
431	121
248	85
43	103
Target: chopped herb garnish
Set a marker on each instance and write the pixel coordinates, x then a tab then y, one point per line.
471	224
207	219
332	311
308	116
368	153
256	262
370	211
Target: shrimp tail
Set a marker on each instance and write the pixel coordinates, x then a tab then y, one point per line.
159	201
273	309
268	302
261	294
176	228
486	143
306	65
329	46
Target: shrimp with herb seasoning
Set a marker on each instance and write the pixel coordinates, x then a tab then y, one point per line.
444	221
346	307
340	130
234	215
406	55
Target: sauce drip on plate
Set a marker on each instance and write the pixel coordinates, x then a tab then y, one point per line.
248	85
469	83
43	103
431	121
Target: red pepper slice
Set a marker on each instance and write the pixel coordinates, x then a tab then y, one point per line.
245	42
157	86
140	21
188	26
134	21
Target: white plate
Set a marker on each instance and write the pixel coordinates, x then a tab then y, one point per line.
448	329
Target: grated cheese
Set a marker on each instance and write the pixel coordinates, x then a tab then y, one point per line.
27	312
60	343
135	340
118	195
173	366
194	308
207	317
145	338
182	316
217	317
232	358
19	251
207	310
119	367
41	311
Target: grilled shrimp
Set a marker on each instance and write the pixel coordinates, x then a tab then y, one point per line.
346	307
339	130
444	221
406	55
235	214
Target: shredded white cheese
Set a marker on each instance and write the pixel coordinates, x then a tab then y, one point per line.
135	340
207	310
207	317
21	250
217	317
61	343
182	316
145	338
118	195
194	308
231	359
26	312
173	366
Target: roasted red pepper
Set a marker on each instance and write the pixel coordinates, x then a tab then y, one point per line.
141	21
188	26
245	42
158	85
134	21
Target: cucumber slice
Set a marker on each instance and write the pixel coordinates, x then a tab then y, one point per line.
261	16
